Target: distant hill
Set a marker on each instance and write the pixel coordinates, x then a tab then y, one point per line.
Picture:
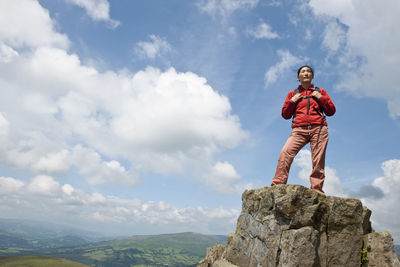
39	230
9	241
37	261
178	250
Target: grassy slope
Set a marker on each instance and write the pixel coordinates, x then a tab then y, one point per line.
37	261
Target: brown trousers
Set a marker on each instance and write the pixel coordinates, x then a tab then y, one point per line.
317	136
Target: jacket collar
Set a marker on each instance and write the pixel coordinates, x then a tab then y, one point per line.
301	89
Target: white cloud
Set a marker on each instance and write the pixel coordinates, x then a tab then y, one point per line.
225	8
334	8
4	125
96	198
31	26
44	185
10	185
67	189
174	117
108	127
107	213
157	47
369	59
263	31
156	120
334	37
29	155
223	178
287	61
97	10
53	162
65	114
7	54
98	171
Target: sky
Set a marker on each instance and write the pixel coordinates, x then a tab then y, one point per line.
153	116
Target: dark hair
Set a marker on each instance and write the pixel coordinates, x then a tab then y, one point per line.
312	71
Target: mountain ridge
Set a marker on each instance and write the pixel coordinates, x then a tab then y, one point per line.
34	229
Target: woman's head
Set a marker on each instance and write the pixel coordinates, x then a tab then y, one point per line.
305	66
305	74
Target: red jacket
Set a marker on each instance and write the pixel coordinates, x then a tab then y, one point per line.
307	110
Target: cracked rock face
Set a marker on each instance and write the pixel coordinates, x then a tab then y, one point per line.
290	225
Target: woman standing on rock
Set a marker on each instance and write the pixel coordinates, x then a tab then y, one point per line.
306	106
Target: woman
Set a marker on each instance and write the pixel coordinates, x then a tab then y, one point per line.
306	106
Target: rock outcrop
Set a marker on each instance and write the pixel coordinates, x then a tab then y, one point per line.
290	225
381	252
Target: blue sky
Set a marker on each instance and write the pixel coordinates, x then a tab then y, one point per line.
147	117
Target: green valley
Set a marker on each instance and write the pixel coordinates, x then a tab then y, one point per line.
22	240
182	249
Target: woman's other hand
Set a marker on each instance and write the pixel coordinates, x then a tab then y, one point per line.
296	98
316	94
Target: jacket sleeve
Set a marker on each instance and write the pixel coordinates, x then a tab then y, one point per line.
326	102
288	106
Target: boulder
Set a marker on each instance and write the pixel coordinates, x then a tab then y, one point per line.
381	251
291	225
213	255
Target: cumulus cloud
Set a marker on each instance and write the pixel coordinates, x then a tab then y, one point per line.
67	189
172	118
223	178
287	61
263	31
10	185
224	8
7	53
53	162
107	213
98	171
44	185
367	62
31	26
97	10
156	47
65	115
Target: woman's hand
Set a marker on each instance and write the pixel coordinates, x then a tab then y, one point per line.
296	98
316	94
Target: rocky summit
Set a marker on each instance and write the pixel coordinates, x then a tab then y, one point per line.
291	225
